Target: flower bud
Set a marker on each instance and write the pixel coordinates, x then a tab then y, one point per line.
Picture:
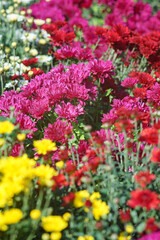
87	128
106	126
33	52
23	13
26	49
48	20
45	236
39	22
21	136
35	214
30	73
6	68
14	44
1	70
30	20
114	236
7	50
42	41
29	11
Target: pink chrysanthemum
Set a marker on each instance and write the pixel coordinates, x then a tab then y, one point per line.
58	131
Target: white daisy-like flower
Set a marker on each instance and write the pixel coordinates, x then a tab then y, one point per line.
44	58
15	17
11	84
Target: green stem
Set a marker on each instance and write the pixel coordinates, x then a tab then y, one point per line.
2	87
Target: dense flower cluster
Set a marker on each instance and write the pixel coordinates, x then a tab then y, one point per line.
79	120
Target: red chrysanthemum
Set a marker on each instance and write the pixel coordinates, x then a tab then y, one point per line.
31	61
140	93
145	79
149	135
155	155
151	225
144	198
14	77
124	124
100	31
59	37
70	167
34	71
68	198
59	181
144	177
125	216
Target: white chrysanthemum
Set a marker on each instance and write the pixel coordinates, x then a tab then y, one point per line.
21	83
14	58
39	22
11	84
28	37
26	1
44	58
44	34
7	66
15	17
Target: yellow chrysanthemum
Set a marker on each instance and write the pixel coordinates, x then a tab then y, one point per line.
100	209
80	198
43	146
21	136
129	228
66	216
53	223
59	164
89	237
81	238
35	214
86	237
55	236
6	127
12	216
2	222
17	174
123	237
45	173
95	196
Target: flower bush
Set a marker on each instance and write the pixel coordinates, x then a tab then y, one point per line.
79	120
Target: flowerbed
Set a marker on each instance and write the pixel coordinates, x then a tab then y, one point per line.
79	120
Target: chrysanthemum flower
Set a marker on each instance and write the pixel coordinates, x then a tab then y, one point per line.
43	146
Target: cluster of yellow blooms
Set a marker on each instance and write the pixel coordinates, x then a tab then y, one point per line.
129	229
99	208
55	224
122	236
11	216
17	174
86	237
43	146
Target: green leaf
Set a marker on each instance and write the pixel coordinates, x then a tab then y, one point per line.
2	119
141	227
108	92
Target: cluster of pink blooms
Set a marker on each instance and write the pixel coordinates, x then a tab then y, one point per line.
62	9
136	15
67	88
